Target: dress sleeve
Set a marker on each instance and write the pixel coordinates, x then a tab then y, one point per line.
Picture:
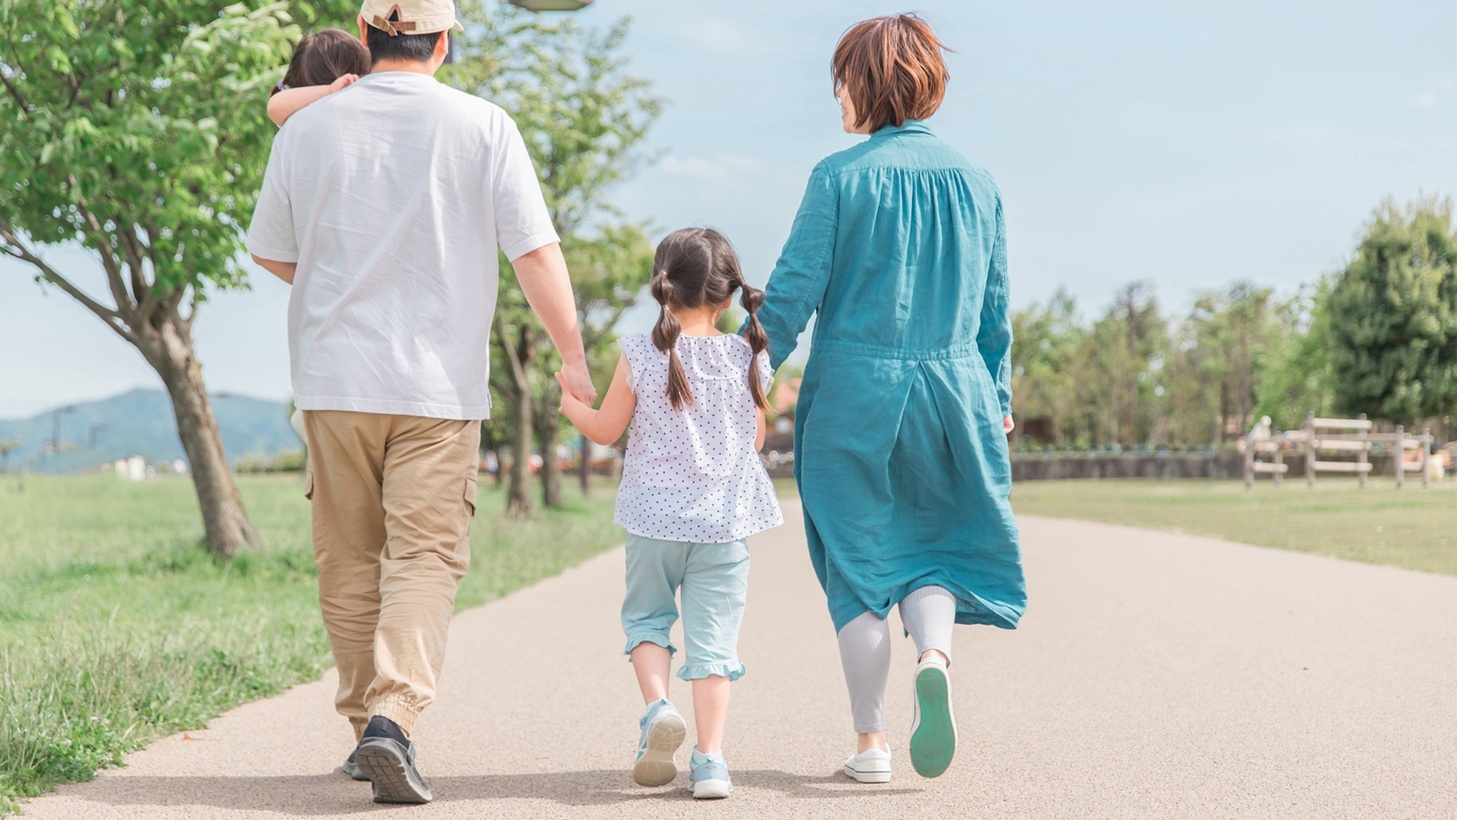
627	358
766	371
797	285
637	349
994	339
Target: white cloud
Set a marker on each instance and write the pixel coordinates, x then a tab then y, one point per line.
1427	100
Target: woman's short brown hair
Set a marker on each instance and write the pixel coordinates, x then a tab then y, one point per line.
892	68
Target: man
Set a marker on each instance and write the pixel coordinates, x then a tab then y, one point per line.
384	205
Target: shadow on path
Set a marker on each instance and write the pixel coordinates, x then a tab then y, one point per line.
333	794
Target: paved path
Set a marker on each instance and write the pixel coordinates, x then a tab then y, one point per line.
1155	675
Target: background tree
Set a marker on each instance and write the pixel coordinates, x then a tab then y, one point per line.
584	119
7	446
1393	316
148	151
1295	377
1045	342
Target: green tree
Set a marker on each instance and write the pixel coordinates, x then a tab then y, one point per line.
136	129
7	446
1295	377
1393	316
1046	339
584	118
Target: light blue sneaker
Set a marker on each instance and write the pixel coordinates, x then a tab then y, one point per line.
710	776
663	731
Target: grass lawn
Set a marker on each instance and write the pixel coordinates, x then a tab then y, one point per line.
1411	527
117	628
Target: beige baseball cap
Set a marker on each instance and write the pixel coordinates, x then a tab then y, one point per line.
415	16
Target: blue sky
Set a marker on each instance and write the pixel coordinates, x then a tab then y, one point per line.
1186	144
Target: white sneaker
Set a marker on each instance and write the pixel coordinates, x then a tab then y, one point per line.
933	725
869	766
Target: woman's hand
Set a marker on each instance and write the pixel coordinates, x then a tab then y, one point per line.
1007	425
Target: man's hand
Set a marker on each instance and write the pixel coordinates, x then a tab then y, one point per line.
575	380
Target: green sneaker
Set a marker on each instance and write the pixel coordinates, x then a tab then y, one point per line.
933	727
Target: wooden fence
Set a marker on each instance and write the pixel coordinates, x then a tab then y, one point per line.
1321	441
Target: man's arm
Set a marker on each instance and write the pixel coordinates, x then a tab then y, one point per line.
283	270
543	277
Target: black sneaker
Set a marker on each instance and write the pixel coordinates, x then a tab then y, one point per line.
387	759
351	768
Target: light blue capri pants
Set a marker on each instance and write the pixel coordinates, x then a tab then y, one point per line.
715	582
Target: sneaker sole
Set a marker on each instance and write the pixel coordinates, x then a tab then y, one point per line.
867	777
933	738
712	789
394	779
656	767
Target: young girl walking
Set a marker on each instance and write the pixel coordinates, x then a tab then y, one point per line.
693	488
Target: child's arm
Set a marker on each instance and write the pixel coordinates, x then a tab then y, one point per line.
289	101
759	432
604	425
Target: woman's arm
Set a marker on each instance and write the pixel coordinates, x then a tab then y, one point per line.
289	101
797	285
604	425
994	339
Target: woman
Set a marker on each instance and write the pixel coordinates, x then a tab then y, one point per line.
900	433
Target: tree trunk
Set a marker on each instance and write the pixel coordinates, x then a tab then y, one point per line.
547	424
518	493
167	346
585	468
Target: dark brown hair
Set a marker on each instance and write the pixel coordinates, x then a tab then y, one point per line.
892	69
323	57
695	267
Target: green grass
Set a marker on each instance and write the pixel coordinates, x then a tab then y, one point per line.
117	628
1411	527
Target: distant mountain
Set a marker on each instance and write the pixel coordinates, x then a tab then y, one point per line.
141	423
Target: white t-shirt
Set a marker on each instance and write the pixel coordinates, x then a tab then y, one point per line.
692	474
393	196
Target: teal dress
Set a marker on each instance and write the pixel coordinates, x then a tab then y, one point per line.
899	452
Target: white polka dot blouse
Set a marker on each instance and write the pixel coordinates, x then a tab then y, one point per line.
693	474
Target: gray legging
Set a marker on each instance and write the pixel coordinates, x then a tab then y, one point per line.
928	613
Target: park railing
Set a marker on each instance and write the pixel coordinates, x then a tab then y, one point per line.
1321	440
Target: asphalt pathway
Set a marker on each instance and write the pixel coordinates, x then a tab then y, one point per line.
1155	675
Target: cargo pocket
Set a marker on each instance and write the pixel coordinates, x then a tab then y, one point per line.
470	495
309	485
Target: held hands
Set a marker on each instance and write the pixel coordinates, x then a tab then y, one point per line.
343	82
1007	425
577	381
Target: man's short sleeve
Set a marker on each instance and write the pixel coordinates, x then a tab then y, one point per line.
271	233
523	223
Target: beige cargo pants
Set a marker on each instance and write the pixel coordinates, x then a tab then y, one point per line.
392	497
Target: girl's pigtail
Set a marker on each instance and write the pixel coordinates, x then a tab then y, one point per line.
665	339
752	299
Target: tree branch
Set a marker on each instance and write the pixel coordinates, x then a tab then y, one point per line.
14	92
16	249
108	260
